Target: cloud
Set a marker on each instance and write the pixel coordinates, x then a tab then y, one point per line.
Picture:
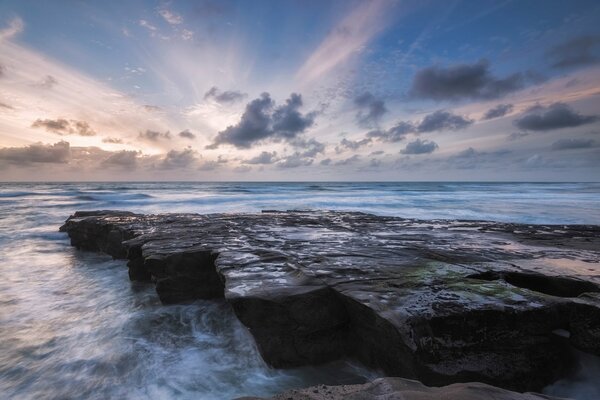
242	169
499	111
262	120
229	96
209	166
2	70
395	134
122	159
308	148
62	126
517	135
471	158
112	140
350	160
420	147
345	39
147	25
579	51
326	161
294	161
151	108
154	136
187	134
15	26
371	110
569	144
346	144
464	81
56	153
186	34
437	121
179	159
263	158
443	120
48	82
7	106
171	17
555	116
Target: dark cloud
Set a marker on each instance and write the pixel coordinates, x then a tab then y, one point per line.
308	148
288	121
255	125
568	144
420	147
62	126
471	158
517	135
229	96
262	121
377	153
326	161
187	134
371	110
112	140
153	136
56	153
151	108
179	159
209	166
576	52
242	169
464	81
394	134
48	82
123	159
443	120
82	128
375	163
263	158
499	111
346	144
438	121
555	116
350	160
7	106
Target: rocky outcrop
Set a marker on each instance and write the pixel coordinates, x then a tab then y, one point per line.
438	301
403	389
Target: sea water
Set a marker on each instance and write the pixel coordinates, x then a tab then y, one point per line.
73	326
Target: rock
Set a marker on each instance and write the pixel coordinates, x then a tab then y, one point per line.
403	389
438	301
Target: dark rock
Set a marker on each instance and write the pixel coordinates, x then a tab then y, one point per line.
404	389
438	301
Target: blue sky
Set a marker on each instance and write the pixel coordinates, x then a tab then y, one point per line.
300	90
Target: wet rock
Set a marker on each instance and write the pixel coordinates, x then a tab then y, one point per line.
439	301
403	389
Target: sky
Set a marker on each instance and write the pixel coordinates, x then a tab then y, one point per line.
300	90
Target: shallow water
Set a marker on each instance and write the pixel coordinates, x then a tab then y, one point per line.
73	326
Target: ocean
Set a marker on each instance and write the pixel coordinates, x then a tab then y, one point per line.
72	325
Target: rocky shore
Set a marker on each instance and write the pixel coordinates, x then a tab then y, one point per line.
404	389
438	301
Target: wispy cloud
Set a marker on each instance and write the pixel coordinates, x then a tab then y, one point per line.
15	26
348	37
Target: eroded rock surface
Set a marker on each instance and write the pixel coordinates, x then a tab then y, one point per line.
404	389
438	301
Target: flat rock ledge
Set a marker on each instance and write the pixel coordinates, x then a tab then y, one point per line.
404	389
440	301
